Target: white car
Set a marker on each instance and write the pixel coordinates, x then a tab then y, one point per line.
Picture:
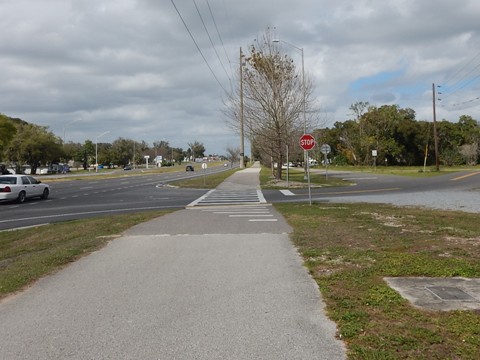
21	187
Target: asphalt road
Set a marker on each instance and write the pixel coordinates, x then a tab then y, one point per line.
452	189
90	197
94	197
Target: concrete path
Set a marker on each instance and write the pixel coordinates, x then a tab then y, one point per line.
207	282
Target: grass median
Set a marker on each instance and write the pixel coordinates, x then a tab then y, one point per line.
350	248
209	181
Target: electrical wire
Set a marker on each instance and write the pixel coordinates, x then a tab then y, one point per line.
218	32
198	47
210	38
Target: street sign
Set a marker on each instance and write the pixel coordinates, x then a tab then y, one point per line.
204	166
307	142
325	149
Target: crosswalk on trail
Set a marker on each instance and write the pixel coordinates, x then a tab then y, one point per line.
217	197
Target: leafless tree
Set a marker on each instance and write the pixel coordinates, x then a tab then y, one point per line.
233	154
470	153
276	98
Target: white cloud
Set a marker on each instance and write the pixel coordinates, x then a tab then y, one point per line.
130	67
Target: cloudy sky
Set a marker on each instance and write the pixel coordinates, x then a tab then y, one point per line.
131	67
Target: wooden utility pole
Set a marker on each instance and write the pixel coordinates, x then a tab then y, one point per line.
435	138
242	139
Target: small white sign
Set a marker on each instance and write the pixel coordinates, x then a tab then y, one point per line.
374	153
204	166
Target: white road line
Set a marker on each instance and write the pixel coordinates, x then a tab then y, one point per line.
261	198
240	212
193	203
287	192
258	220
250	215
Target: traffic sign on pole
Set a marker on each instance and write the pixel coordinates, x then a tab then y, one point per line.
325	149
307	142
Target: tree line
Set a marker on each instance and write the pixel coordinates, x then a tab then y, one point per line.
23	143
397	138
273	105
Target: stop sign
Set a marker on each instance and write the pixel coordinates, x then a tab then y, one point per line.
307	142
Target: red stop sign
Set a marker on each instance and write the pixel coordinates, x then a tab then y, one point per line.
307	142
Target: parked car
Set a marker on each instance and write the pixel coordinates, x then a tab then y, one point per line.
127	167
189	168
21	187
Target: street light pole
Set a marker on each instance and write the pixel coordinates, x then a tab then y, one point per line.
242	136
96	149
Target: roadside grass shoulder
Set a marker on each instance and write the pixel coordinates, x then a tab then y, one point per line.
210	181
410	171
28	254
350	248
296	178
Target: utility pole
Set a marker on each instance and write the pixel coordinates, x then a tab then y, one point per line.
242	140
435	138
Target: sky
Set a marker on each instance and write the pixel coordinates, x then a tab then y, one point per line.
152	70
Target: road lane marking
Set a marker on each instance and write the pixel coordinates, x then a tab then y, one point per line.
287	192
465	176
250	215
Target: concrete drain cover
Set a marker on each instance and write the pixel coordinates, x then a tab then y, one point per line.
442	294
450	293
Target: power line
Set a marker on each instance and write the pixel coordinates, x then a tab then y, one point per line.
466	77
210	38
198	48
218	32
461	69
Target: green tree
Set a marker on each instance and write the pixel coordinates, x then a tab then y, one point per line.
7	132
197	149
122	151
34	145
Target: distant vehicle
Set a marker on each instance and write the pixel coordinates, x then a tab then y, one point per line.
21	187
127	167
189	168
226	164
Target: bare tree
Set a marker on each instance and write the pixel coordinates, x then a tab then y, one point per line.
274	95
470	153
233	154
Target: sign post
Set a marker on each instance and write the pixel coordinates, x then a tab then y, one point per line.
204	167
307	142
325	149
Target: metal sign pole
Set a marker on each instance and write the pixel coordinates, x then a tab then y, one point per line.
308	177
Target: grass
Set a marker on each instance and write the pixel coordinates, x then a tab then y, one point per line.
411	171
28	254
208	182
296	179
350	248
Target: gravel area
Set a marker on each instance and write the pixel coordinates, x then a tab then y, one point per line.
468	201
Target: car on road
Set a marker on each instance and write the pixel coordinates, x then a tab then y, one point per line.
21	187
127	167
189	168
